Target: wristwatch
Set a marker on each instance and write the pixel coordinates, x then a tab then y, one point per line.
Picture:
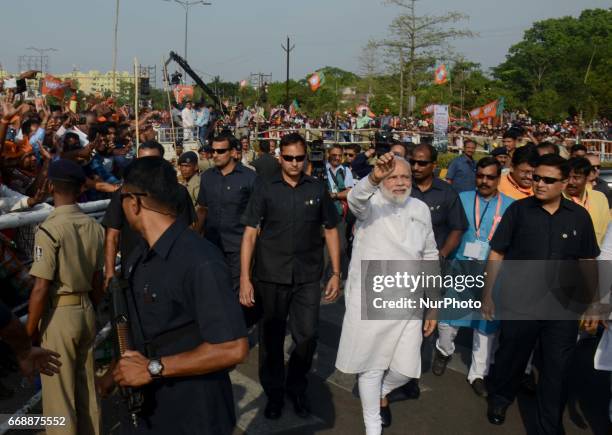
155	368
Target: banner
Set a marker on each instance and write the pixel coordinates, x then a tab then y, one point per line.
440	119
54	87
182	92
490	110
316	81
293	109
441	75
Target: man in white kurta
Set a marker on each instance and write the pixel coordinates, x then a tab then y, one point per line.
391	225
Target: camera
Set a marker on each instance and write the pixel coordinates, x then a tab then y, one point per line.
382	142
316	156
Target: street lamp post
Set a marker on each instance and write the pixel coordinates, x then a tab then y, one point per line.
186	4
41	52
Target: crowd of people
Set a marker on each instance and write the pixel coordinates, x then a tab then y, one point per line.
269	234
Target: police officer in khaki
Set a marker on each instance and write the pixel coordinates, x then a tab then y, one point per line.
188	165
68	261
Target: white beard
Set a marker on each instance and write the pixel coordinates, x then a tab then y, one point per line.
393	198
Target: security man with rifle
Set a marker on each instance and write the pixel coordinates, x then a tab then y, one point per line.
184	320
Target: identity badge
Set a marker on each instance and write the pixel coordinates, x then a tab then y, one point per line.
477	250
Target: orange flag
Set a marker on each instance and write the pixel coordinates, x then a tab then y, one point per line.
53	86
441	75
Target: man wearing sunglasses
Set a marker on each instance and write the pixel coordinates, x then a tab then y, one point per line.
595	181
543	227
186	324
484	208
288	217
224	194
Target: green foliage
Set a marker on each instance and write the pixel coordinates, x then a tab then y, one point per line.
548	68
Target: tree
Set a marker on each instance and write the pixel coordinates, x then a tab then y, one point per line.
369	64
563	67
419	40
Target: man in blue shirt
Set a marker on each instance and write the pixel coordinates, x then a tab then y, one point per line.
483	208
462	171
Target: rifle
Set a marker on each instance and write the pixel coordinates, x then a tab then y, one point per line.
133	398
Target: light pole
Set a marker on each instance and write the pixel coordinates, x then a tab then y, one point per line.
186	4
115	49
41	52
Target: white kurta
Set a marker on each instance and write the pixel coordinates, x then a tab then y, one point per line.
384	231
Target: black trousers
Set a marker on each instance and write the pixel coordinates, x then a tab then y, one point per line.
556	340
251	315
301	303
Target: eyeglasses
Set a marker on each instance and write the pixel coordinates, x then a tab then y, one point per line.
294	158
546	180
124	195
220	150
349	155
488	177
419	162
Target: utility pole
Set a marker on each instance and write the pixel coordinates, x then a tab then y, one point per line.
41	52
401	104
186	5
288	49
115	48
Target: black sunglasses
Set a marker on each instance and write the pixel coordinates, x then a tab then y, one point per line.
546	180
488	177
296	158
596	167
220	150
419	162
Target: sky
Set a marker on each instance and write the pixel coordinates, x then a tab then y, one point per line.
233	38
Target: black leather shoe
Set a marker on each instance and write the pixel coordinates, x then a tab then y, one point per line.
439	363
385	416
274	410
480	388
301	406
496	414
411	389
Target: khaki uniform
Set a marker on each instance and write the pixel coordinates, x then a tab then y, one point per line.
205	164
69	249
193	187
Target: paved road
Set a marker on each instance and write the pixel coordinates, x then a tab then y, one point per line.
447	404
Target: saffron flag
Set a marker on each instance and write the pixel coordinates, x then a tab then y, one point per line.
441	75
293	109
53	86
243	84
316	81
182	92
490	110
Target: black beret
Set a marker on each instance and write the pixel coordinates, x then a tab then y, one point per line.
188	157
66	170
501	151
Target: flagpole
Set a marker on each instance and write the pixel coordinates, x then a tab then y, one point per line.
136	77
167	89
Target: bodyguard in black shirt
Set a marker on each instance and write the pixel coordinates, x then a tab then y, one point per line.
119	236
543	227
224	194
290	210
186	324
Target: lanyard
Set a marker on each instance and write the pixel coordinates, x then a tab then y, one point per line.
478	217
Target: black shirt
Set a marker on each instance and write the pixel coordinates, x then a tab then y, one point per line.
290	245
183	284
528	232
226	197
266	166
115	218
5	315
447	213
